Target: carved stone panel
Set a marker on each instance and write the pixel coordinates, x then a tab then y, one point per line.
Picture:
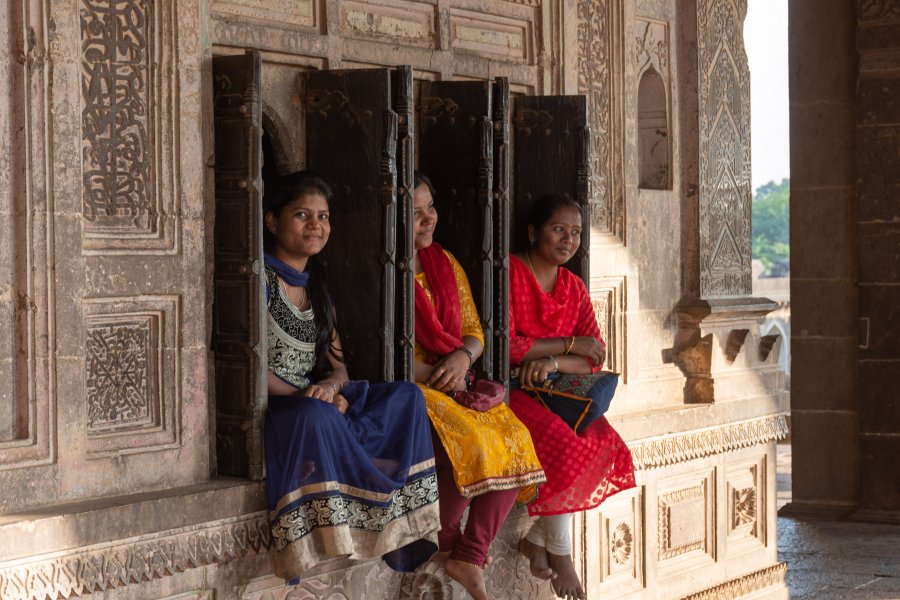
131	374
485	34
304	13
608	298
601	76
411	23
725	194
127	68
746	504
686	522
622	543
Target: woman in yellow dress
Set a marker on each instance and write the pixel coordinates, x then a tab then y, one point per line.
485	460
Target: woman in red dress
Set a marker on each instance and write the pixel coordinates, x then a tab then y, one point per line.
553	328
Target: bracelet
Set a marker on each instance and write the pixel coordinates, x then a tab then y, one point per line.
337	389
469	354
555	363
571	343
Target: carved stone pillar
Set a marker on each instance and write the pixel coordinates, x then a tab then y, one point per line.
716	309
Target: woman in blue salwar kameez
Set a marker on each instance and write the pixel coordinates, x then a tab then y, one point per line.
350	465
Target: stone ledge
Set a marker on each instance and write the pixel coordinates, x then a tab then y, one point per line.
102	520
770	577
701	443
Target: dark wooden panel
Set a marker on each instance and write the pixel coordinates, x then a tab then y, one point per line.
456	151
500	116
238	315
552	156
351	138
402	96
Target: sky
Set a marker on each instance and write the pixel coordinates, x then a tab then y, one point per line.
766	42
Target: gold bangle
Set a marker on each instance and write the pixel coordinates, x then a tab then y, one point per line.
571	343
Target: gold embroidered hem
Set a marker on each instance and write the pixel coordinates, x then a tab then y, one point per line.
341	526
489	450
310	554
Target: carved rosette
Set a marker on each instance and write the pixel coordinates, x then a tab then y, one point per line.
621	543
725	194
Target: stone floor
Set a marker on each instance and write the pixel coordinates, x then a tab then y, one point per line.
836	560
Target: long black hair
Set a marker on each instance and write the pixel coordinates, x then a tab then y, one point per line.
290	188
542	211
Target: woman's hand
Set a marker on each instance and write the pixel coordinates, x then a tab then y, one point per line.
324	390
340	403
590	348
449	374
533	372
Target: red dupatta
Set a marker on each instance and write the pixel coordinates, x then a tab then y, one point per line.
438	325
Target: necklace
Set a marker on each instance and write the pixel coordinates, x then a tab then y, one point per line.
530	266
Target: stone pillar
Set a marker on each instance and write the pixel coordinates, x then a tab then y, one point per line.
878	255
823	271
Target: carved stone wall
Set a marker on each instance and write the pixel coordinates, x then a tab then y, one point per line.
724	104
600	76
27	402
97	207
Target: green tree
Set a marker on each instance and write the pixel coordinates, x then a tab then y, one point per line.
771	226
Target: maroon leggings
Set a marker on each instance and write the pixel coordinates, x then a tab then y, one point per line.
486	514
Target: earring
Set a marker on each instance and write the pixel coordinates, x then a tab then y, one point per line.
531	241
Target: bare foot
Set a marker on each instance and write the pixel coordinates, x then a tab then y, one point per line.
537	559
566	584
469	576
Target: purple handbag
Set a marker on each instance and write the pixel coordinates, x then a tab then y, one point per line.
484	395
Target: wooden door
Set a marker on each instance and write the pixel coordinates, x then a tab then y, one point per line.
405	334
502	222
552	156
351	139
238	309
456	151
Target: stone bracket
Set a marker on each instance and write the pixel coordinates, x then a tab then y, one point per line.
702	323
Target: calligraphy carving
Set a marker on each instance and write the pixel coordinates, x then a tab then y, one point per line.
116	116
725	195
600	78
131	374
119	367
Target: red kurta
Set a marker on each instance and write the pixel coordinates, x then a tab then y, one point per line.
581	470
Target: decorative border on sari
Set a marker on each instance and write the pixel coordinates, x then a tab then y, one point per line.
492	484
347	490
342	509
313	553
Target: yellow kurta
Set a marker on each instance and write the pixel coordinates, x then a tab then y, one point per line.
489	450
